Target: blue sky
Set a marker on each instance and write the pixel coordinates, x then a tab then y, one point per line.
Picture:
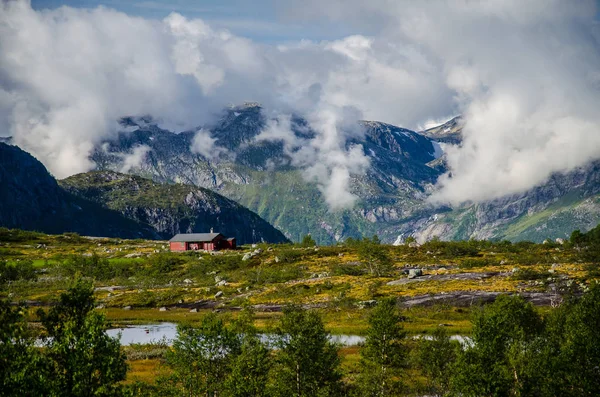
260	20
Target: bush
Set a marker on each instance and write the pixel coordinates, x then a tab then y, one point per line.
346	270
471	263
308	241
23	270
529	274
89	266
164	262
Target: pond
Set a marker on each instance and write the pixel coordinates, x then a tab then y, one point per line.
148	333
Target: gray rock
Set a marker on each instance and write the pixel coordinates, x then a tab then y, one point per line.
221	283
127	308
194	310
413	273
219	294
247	256
163	309
188	281
365	304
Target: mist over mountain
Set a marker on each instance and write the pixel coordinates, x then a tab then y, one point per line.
257	165
523	76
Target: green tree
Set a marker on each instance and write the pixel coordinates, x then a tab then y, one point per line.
505	336
201	357
578	364
249	371
308	241
85	360
374	256
435	357
307	362
384	354
24	371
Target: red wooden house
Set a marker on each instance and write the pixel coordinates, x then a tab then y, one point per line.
201	241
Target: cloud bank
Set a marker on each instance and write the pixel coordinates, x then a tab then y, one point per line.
525	75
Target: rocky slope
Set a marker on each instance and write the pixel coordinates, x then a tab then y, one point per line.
171	208
258	174
392	194
553	210
449	132
31	199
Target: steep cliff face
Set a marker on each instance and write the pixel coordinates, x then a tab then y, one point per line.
30	198
172	208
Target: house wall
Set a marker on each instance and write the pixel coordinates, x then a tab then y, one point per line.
218	243
178	246
229	244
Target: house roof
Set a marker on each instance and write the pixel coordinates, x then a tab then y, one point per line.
194	237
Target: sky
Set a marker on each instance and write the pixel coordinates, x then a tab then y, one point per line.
525	75
260	20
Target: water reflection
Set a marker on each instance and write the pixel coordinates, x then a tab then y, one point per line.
167	332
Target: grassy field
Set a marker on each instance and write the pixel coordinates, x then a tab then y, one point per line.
144	276
140	282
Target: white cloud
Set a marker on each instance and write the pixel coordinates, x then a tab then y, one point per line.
204	144
523	74
135	158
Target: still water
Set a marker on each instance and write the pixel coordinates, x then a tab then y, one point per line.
167	332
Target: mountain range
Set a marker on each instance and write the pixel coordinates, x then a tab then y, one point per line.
111	204
151	182
404	166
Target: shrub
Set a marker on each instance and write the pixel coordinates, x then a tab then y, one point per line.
529	274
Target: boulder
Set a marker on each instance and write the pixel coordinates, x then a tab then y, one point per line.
163	309
413	273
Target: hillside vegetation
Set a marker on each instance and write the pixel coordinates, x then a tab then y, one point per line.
303	291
